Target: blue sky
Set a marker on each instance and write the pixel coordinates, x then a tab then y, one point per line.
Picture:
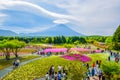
89	17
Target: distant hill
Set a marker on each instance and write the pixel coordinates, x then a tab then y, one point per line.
7	33
58	30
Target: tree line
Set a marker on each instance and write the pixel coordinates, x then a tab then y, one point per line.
58	39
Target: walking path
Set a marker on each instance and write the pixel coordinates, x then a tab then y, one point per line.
9	69
41	78
91	78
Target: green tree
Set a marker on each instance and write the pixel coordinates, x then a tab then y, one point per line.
109	42
48	40
116	39
63	39
34	40
82	40
11	46
76	42
5	48
16	46
111	69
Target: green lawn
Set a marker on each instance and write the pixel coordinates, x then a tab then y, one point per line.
99	56
6	63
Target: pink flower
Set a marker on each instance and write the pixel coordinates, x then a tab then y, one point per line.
78	57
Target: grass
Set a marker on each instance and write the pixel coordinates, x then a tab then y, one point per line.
98	56
38	68
6	63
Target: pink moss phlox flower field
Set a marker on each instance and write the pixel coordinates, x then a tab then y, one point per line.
85	50
80	49
56	50
78	57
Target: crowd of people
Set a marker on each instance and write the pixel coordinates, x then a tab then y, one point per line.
95	70
50	53
114	55
61	74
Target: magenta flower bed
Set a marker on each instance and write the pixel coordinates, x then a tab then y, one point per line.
78	57
56	50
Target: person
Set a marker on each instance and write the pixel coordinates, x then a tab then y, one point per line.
103	77
64	75
93	65
59	68
51	71
55	76
116	59
48	53
96	62
97	66
53	68
88	73
59	75
90	70
17	62
38	52
93	72
65	70
99	73
47	76
87	78
87	65
14	64
111	53
109	58
99	62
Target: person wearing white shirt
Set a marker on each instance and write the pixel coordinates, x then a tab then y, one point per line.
60	68
47	76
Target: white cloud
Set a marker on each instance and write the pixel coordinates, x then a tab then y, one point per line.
10	4
85	10
93	16
61	21
2	15
2	18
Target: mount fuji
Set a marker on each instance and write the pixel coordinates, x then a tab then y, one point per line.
58	30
